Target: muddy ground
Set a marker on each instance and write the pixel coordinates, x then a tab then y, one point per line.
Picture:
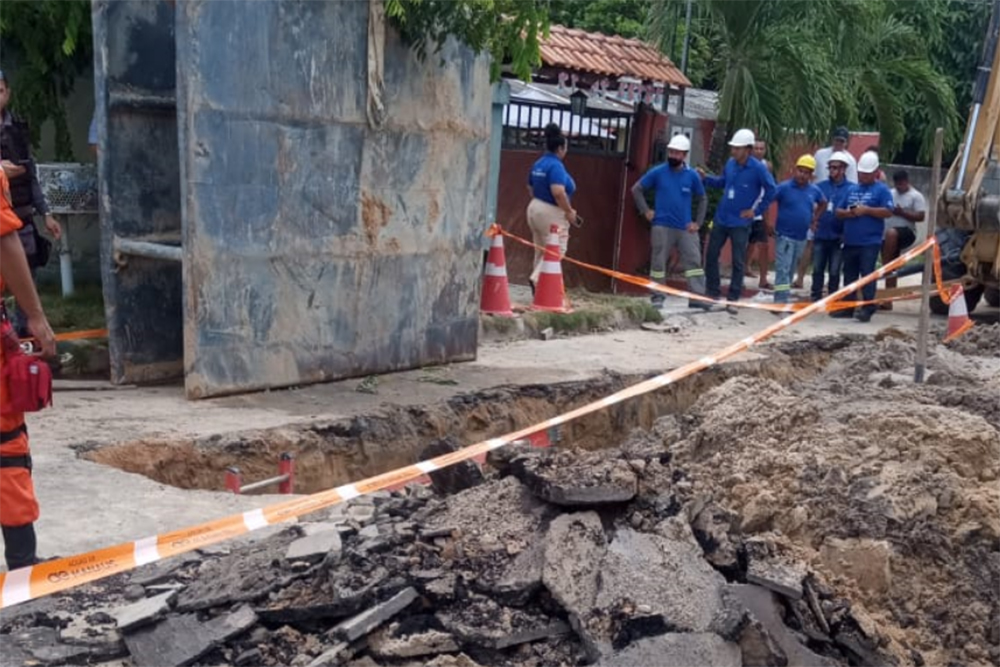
861	511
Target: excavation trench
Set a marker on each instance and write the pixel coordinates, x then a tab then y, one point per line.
329	454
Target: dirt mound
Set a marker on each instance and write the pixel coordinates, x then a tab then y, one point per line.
982	340
876	482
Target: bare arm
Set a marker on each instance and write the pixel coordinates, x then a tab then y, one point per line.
639	195
699	216
17	276
12	170
562	201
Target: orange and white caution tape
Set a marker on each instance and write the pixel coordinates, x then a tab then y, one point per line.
65	573
646	283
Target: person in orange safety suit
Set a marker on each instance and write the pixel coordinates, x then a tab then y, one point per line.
18	505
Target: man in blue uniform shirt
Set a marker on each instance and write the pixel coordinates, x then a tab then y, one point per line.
869	203
675	185
829	236
799	206
743	181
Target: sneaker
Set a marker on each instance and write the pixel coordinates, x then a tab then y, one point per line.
701	305
864	316
845	314
732	310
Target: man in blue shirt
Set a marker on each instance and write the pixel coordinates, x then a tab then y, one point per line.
744	179
829	236
869	203
675	185
799	206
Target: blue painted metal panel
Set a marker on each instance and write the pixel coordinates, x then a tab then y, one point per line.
316	247
139	184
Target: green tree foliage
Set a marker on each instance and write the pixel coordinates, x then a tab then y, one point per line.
785	66
626	18
50	42
510	31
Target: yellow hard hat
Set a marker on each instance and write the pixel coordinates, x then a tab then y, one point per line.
807	162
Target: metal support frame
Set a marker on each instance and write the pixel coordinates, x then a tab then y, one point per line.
147	249
285	479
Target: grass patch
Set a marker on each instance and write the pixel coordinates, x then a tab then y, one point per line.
83	310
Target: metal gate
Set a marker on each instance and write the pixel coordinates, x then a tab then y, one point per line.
317	244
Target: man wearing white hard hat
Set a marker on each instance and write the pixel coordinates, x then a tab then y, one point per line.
747	189
829	236
869	203
675	186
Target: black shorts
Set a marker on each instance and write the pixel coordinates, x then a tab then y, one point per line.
758	232
906	237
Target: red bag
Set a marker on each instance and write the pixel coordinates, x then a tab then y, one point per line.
29	378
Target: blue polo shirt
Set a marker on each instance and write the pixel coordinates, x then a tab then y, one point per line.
867	230
741	186
674	191
547	171
830	227
796	205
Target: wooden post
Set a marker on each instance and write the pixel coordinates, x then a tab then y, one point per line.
925	296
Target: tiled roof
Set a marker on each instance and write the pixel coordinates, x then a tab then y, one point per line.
608	56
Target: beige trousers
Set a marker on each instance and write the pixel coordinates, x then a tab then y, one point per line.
541	217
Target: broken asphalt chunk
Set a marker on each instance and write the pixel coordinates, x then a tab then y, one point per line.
180	640
575	479
144	611
768	569
314	548
677	650
358	626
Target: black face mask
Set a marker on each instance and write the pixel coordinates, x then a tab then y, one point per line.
674	162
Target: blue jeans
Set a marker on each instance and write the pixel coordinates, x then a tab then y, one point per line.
826	258
860	261
739	237
787	253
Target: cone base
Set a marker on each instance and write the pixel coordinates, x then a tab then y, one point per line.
958	332
497	313
553	309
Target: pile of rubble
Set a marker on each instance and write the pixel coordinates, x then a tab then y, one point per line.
762	528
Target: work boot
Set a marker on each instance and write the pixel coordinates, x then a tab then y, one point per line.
845	314
20	546
864	315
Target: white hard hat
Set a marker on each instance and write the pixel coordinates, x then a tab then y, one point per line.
839	156
868	163
742	138
679	143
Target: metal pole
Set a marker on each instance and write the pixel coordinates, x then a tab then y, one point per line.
684	54
925	296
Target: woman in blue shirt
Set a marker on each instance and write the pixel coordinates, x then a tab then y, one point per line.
551	187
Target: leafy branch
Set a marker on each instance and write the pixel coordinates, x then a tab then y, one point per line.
510	31
51	43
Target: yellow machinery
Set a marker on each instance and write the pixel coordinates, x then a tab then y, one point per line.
969	203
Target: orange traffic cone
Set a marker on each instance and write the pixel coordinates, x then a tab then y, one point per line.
496	291
958	315
549	292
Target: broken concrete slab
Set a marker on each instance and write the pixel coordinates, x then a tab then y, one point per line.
523	577
42	646
763	605
767	568
180	640
343	592
569	480
161	571
174	642
387	643
144	611
317	527
314	548
354	628
483	622
677	650
574	546
332	656
663	575
242	576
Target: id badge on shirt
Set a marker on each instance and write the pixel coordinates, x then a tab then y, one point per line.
732	193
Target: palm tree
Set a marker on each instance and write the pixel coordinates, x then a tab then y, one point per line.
803	66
